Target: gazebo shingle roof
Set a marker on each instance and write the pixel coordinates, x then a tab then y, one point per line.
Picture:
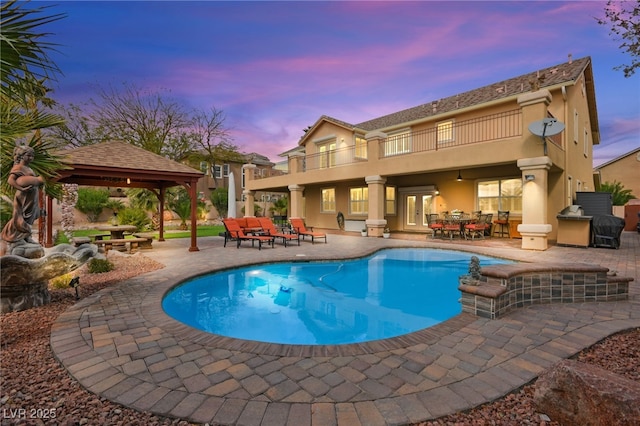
122	155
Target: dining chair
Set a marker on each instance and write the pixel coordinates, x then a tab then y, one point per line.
452	226
435	224
501	224
476	228
489	225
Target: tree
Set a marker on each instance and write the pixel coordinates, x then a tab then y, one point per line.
78	129
623	18
220	200
211	140
280	206
144	119
147	201
619	195
92	201
180	203
25	69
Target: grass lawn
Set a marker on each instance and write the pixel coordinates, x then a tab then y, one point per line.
202	231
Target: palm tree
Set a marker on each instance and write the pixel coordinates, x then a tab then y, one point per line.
25	67
144	199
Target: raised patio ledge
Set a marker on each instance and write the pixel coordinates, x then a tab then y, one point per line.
502	288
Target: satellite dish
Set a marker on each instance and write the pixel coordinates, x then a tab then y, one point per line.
546	127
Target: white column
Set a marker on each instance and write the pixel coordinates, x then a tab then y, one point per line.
295	198
534	228
375	220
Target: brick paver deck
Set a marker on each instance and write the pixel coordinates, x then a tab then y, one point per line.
119	344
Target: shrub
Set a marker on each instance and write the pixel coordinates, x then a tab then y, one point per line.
92	201
62	281
135	217
619	195
220	200
180	203
98	266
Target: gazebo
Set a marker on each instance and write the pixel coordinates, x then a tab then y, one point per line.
120	164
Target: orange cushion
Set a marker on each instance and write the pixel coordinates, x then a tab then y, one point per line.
252	222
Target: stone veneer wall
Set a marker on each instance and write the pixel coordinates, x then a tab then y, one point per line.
502	288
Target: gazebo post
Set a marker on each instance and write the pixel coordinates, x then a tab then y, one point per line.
194	210
161	207
49	228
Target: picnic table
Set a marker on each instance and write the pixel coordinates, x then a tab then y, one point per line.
117	236
116	231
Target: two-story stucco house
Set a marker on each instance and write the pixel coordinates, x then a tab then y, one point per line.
471	151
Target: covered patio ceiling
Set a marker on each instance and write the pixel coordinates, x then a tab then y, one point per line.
120	164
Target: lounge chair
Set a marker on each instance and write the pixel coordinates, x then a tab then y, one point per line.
270	229
299	228
235	232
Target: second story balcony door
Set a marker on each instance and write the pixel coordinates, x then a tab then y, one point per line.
416	207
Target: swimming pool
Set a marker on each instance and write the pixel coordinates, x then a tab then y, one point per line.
387	294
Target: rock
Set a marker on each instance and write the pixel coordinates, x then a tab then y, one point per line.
581	394
23	283
24	249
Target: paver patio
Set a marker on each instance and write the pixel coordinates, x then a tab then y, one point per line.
118	343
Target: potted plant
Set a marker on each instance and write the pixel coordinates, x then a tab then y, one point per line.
363	232
386	233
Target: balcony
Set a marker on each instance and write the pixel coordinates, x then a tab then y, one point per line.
483	129
493	127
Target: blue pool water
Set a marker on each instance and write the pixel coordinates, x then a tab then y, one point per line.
387	294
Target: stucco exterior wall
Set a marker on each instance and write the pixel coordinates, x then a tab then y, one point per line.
482	151
625	170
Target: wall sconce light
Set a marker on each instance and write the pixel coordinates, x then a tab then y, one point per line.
459	178
437	191
128	181
529	178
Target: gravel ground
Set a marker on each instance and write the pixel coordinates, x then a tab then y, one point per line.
32	380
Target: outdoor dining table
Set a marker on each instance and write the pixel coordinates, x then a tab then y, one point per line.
116	231
460	221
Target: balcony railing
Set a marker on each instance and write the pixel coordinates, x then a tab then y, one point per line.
483	129
333	158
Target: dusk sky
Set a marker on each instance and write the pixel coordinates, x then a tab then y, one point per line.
275	67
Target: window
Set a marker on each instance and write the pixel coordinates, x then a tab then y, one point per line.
390	200
500	194
361	147
444	132
225	170
398	143
203	167
217	172
575	126
359	201
586	143
327	155
328	204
